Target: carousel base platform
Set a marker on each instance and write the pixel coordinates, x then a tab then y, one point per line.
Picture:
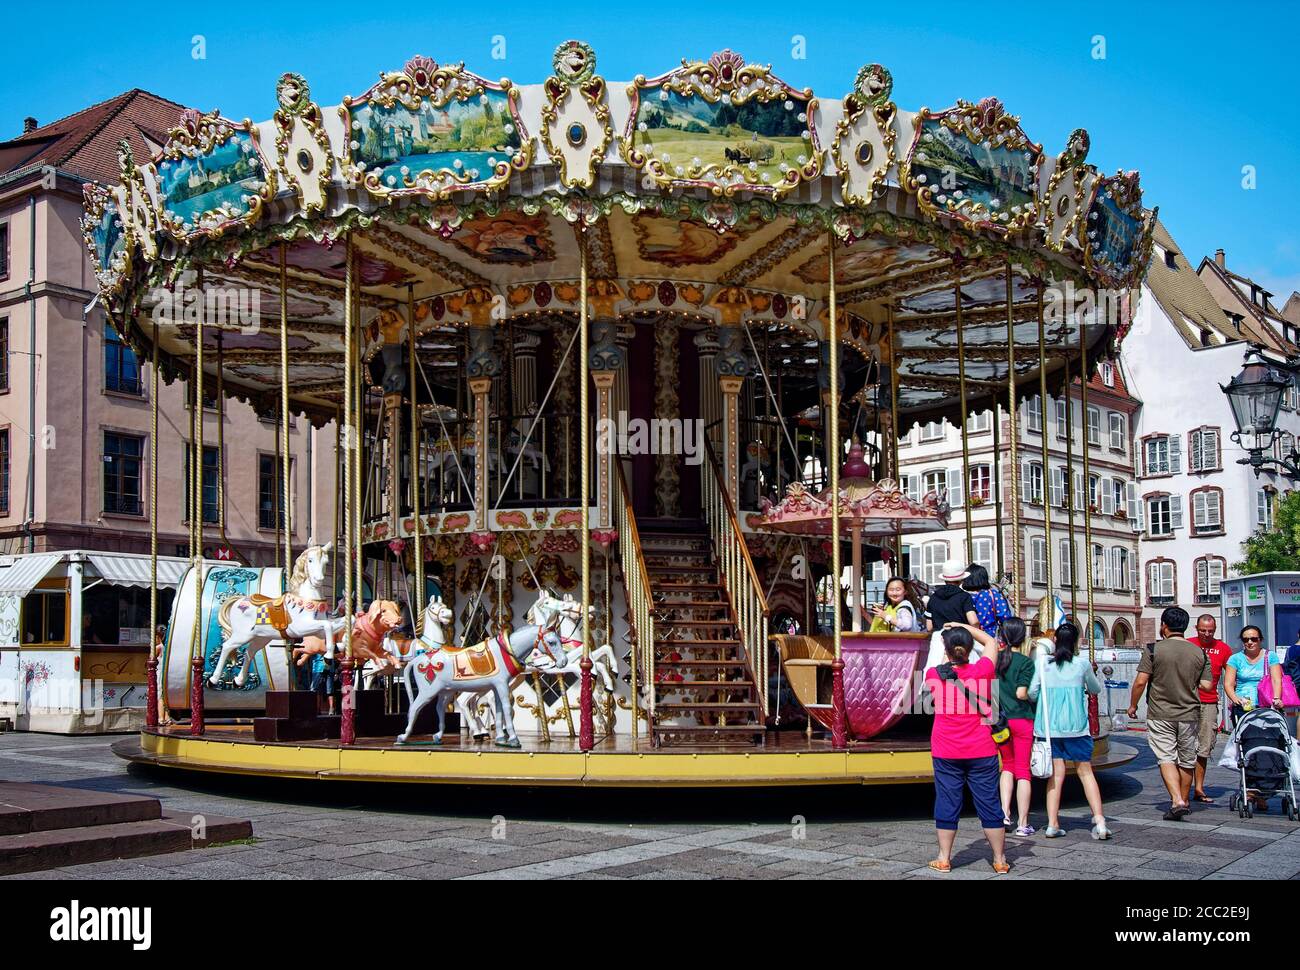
784	759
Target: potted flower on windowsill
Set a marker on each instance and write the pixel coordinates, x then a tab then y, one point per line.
1121	514
976	501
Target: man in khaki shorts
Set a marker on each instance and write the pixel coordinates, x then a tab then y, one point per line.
1218	652
1176	670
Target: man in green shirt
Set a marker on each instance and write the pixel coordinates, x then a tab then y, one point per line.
1176	670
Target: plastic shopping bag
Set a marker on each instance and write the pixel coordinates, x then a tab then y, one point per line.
1230	754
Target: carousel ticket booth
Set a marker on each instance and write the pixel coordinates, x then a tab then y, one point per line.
75	638
622	368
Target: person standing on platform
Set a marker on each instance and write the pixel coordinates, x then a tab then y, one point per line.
990	605
949	603
1218	653
1175	669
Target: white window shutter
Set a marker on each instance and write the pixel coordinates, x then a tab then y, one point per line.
1132	573
1134	506
1058	488
1199	510
1175	455
1175	511
1107	497
1167	579
1194	452
955	491
1210	448
1079	497
1214	508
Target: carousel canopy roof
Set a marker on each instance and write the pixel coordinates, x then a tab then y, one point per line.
713	192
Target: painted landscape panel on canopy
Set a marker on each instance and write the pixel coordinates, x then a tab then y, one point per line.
997	179
467	139
223	181
109	235
1113	234
693	136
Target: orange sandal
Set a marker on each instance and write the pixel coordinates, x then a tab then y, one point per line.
938	865
1001	868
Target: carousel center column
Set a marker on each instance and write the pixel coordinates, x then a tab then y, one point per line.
732	366
604	359
483	367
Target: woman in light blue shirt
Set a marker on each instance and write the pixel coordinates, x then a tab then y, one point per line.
1245	670
1060	686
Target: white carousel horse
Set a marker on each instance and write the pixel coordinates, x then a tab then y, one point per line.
568	612
437	617
492	664
254	621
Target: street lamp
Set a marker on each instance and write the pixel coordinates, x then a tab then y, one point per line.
1255	396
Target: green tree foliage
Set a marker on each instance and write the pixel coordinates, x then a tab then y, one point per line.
1277	549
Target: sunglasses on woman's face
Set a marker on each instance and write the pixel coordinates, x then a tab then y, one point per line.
1250	639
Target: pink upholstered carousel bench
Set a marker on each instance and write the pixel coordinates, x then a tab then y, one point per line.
879	676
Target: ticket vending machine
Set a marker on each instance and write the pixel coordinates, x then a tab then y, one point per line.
1270	601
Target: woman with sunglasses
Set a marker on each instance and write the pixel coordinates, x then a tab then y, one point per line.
1244	671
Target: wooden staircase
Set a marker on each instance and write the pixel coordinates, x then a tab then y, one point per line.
704	688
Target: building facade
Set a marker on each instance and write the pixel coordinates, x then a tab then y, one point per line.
930	457
74	404
1189	337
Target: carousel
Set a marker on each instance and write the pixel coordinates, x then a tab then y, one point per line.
617	373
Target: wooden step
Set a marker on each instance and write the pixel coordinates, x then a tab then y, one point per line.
755	729
172	832
669	587
699	644
706	684
708	707
661	665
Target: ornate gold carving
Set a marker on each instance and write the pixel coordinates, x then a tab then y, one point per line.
575	66
296	108
871	93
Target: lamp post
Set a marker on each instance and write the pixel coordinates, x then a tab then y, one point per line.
1255	396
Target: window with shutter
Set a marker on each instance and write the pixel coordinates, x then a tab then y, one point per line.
1134	506
1175	455
1118	431
913	487
980	487
1037	561
1078	490
1132	572
1094	426
1033	414
1100	579
1057	497
1175	512
1061	417
1066	561
981	553
1159	516
1108	496
953	484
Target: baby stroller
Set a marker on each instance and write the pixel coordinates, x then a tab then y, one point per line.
1264	760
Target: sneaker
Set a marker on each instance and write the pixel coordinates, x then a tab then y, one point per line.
1025	831
1006	822
1052	832
1100	831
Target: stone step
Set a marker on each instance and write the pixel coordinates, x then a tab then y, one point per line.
172	832
26	808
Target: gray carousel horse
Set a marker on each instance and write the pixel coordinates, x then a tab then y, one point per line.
567	617
490	665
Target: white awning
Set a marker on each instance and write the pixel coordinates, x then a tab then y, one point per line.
20	574
134	570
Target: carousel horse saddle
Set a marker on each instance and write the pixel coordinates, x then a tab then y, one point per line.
271	610
473	662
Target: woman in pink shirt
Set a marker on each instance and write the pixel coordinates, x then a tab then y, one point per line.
962	748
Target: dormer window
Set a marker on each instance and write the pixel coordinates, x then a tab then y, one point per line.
1170	261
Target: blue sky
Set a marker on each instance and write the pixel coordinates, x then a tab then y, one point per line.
1189	94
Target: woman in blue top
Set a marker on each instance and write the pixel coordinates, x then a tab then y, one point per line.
990	605
1244	671
1060	686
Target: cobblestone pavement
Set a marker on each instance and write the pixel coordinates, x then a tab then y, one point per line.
336	831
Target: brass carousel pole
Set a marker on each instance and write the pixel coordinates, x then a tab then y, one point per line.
961	391
1042	421
895	471
348	731
839	725
196	515
586	731
151	666
358	437
416	597
1069	492
1013	434
1094	716
286	453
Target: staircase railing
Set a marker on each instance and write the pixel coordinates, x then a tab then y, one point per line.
640	600
738	573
